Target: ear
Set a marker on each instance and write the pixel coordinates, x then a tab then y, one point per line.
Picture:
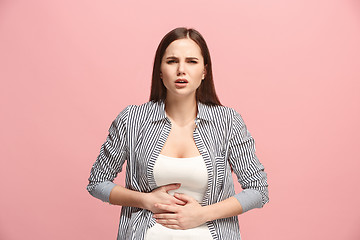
160	74
204	73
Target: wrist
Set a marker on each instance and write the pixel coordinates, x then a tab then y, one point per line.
206	213
143	200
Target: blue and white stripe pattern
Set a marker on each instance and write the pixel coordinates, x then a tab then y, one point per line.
137	136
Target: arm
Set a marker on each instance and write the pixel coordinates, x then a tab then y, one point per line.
247	167
110	160
108	164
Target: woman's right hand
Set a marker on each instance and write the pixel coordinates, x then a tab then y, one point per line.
161	195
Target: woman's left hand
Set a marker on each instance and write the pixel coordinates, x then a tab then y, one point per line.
186	216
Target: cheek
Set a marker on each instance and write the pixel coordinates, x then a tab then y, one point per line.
166	71
165	76
198	73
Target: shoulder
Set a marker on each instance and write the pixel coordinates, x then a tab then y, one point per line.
228	118
137	112
223	113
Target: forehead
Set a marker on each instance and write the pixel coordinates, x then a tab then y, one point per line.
183	48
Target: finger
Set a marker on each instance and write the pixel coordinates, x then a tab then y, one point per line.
184	197
172	186
167	221
172	226
167	208
179	202
164	216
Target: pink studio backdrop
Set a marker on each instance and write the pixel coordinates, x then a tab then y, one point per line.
291	68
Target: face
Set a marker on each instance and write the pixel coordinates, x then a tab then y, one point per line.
182	68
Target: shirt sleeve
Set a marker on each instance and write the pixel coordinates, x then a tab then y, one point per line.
247	167
110	160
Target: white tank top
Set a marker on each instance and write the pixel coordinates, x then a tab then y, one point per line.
192	174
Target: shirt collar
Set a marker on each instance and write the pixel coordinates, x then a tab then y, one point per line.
158	111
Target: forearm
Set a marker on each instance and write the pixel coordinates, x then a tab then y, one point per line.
240	203
224	209
122	196
119	195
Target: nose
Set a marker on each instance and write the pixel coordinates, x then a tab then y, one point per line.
181	69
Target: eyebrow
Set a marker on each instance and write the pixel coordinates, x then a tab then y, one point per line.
173	57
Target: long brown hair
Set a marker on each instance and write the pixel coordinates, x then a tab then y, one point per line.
206	91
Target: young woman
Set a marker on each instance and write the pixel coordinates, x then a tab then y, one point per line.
181	148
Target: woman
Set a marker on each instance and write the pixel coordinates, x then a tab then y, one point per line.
181	148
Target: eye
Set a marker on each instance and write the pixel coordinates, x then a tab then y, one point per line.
170	61
193	61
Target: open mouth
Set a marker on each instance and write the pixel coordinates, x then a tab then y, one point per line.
181	81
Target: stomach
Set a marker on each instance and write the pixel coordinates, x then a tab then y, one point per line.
159	232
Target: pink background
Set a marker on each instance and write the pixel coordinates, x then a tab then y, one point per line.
291	68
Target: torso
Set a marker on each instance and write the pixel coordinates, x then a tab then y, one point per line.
178	160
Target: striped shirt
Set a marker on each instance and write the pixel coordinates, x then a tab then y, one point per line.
137	136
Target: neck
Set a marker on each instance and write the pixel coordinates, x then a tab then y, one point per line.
181	111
